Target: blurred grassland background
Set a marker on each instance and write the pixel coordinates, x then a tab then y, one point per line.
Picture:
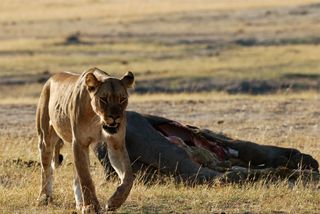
171	46
248	68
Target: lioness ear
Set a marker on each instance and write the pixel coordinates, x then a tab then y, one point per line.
128	79
92	82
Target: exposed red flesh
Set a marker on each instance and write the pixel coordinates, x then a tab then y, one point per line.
190	138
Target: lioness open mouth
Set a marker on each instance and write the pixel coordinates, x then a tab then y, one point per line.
111	128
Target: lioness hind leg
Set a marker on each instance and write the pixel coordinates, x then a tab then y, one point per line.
47	141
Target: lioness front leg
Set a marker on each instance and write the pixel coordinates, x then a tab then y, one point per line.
120	161
81	159
77	191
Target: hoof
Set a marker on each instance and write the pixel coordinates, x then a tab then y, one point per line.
90	209
44	200
110	207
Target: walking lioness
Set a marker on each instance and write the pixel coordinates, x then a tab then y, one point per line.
85	109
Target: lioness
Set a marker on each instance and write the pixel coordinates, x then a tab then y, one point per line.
85	109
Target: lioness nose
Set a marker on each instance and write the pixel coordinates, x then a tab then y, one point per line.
113	119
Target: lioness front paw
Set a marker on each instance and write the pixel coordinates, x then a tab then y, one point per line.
79	206
119	197
44	200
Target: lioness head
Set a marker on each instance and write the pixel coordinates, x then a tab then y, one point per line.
109	97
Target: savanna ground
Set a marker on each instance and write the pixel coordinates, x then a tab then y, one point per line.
189	55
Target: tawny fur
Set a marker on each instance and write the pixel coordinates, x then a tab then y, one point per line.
82	110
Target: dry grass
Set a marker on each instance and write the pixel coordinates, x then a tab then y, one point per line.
19	195
57	10
285	120
162	39
145	60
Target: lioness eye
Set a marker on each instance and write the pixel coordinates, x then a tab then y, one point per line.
123	99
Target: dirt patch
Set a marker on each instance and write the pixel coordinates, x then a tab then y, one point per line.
295	82
74	39
277	42
292	82
25	79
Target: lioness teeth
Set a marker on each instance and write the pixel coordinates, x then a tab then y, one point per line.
111	126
